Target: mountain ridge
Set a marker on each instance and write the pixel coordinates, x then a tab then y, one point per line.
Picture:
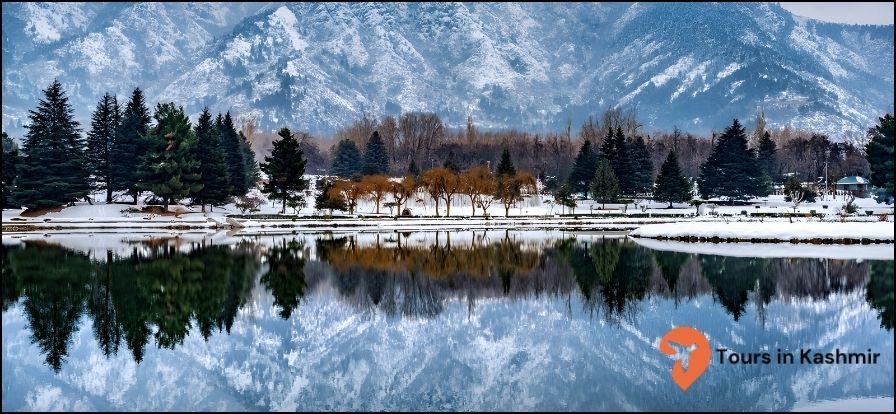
318	67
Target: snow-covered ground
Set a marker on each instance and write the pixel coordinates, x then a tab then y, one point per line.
535	212
782	231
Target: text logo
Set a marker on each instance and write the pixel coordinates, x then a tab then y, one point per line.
698	358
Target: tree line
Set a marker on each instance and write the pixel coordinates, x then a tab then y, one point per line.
126	149
446	183
212	162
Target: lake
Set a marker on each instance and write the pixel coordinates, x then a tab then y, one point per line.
471	320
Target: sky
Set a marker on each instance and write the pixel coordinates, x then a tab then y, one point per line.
854	13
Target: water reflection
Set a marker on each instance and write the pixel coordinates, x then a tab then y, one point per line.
161	292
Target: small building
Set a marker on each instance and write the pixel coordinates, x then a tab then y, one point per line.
855	185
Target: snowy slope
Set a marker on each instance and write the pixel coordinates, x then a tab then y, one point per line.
319	66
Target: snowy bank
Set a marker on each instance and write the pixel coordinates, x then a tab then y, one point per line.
805	232
775	250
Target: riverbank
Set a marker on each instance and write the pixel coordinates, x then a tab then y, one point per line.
818	232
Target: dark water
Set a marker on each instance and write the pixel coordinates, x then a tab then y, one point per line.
496	321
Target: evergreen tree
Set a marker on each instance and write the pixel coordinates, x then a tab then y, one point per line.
212	167
413	170
605	186
583	169
617	151
505	167
732	170
608	148
641	167
376	159
284	168
169	169
346	160
250	166
10	159
53	170
234	155
104	125
767	156
671	186
129	147
879	152
451	163
323	201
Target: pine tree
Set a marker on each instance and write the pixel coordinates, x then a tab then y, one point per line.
376	159
608	147
284	168
879	152
250	166
605	186
10	160
732	170
505	167
168	169
451	163
767	156
104	125
583	169
642	167
129	147
346	160
671	186
53	170
212	167
234	155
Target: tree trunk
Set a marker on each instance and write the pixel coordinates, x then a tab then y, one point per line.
203	207
670	204
166	202
506	210
108	195
283	208
447	207
136	195
437	206
473	204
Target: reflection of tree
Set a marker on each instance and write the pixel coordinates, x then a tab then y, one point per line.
629	280
53	283
128	298
285	277
732	277
107	328
12	285
611	273
411	280
670	264
879	291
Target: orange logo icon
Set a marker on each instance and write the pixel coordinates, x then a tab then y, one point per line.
698	358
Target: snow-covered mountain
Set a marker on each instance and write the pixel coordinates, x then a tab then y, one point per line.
320	66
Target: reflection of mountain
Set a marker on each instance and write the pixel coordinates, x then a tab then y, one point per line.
360	325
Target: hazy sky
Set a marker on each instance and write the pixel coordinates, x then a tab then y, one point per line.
855	13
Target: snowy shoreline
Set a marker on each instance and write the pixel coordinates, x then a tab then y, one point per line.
771	232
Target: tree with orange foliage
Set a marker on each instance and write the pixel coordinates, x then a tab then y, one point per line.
430	180
511	188
376	187
402	191
349	191
441	183
476	183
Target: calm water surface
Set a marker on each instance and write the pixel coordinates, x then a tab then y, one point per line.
426	321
